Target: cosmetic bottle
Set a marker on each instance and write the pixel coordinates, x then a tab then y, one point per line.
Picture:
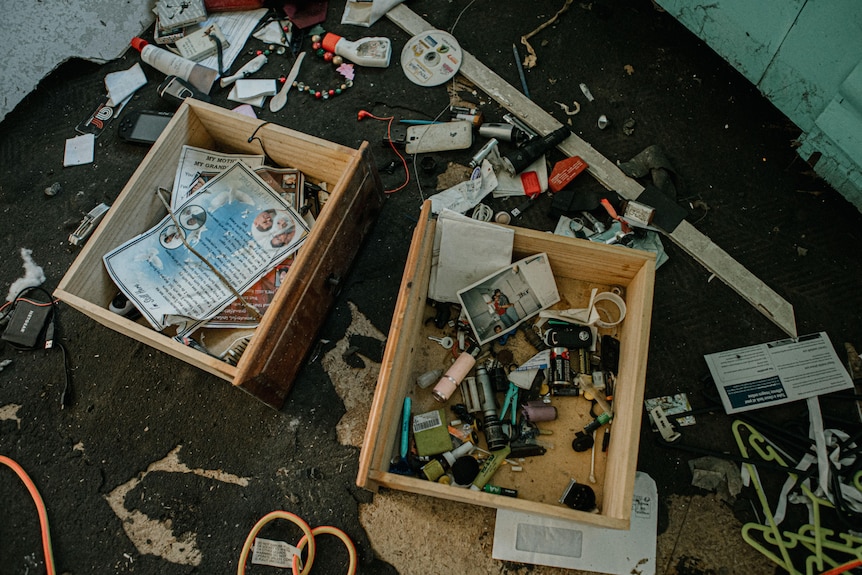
171	64
455	374
436	468
372	52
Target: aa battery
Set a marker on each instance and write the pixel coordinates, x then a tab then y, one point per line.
496	490
559	367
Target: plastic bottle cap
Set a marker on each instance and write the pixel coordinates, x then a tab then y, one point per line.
329	41
139	43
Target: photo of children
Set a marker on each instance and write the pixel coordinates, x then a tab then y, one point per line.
274	229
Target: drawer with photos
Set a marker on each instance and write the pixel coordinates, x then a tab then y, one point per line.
287	331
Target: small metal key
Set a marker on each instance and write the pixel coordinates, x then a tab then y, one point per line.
447	342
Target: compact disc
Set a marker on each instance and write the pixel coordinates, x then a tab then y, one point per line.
431	58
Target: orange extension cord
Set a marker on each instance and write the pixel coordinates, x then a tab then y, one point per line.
40	507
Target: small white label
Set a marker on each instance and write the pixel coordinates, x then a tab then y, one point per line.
425	421
274	553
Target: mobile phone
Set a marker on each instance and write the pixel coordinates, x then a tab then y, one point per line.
143	126
176	89
456	135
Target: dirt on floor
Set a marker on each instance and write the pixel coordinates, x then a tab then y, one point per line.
155	466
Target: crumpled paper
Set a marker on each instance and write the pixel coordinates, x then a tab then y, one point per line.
364	13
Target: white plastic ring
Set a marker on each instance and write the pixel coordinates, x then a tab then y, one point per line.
617	301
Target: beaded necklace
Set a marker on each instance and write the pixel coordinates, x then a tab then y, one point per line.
345	70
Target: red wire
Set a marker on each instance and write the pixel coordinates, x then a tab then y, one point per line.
389	119
36	303
40	507
844	568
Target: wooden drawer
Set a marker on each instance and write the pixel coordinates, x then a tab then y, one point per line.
287	332
578	266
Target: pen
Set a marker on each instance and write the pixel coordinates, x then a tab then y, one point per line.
520	71
419	122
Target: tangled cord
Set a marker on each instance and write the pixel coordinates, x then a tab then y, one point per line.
40	508
49	338
388	119
307	539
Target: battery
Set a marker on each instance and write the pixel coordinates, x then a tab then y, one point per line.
560	370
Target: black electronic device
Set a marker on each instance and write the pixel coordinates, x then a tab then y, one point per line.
28	324
569	336
177	90
143	126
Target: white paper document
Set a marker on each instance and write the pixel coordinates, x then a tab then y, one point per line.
239	227
196	164
777	372
528	538
465	250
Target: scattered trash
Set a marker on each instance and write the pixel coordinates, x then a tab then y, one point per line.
53	189
365	13
79	150
246	70
587	94
88	225
33	275
652	161
530	59
603	122
520	71
801	252
172	64
629	127
373	52
5	363
718	475
570	112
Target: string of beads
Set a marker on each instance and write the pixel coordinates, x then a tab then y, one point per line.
335	60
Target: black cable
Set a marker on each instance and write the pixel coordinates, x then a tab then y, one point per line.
51	331
254	137
219	54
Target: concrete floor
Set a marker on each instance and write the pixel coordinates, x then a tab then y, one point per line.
158	467
36	37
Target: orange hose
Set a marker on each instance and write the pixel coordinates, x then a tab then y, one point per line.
40	507
844	568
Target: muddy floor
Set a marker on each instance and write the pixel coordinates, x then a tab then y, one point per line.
155	466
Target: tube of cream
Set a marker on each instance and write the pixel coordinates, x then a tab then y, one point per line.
494	461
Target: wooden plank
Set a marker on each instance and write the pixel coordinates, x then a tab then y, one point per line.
395	367
286	333
686	236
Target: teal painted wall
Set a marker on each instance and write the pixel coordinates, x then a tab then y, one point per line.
804	55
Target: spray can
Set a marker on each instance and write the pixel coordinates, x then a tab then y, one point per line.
170	64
